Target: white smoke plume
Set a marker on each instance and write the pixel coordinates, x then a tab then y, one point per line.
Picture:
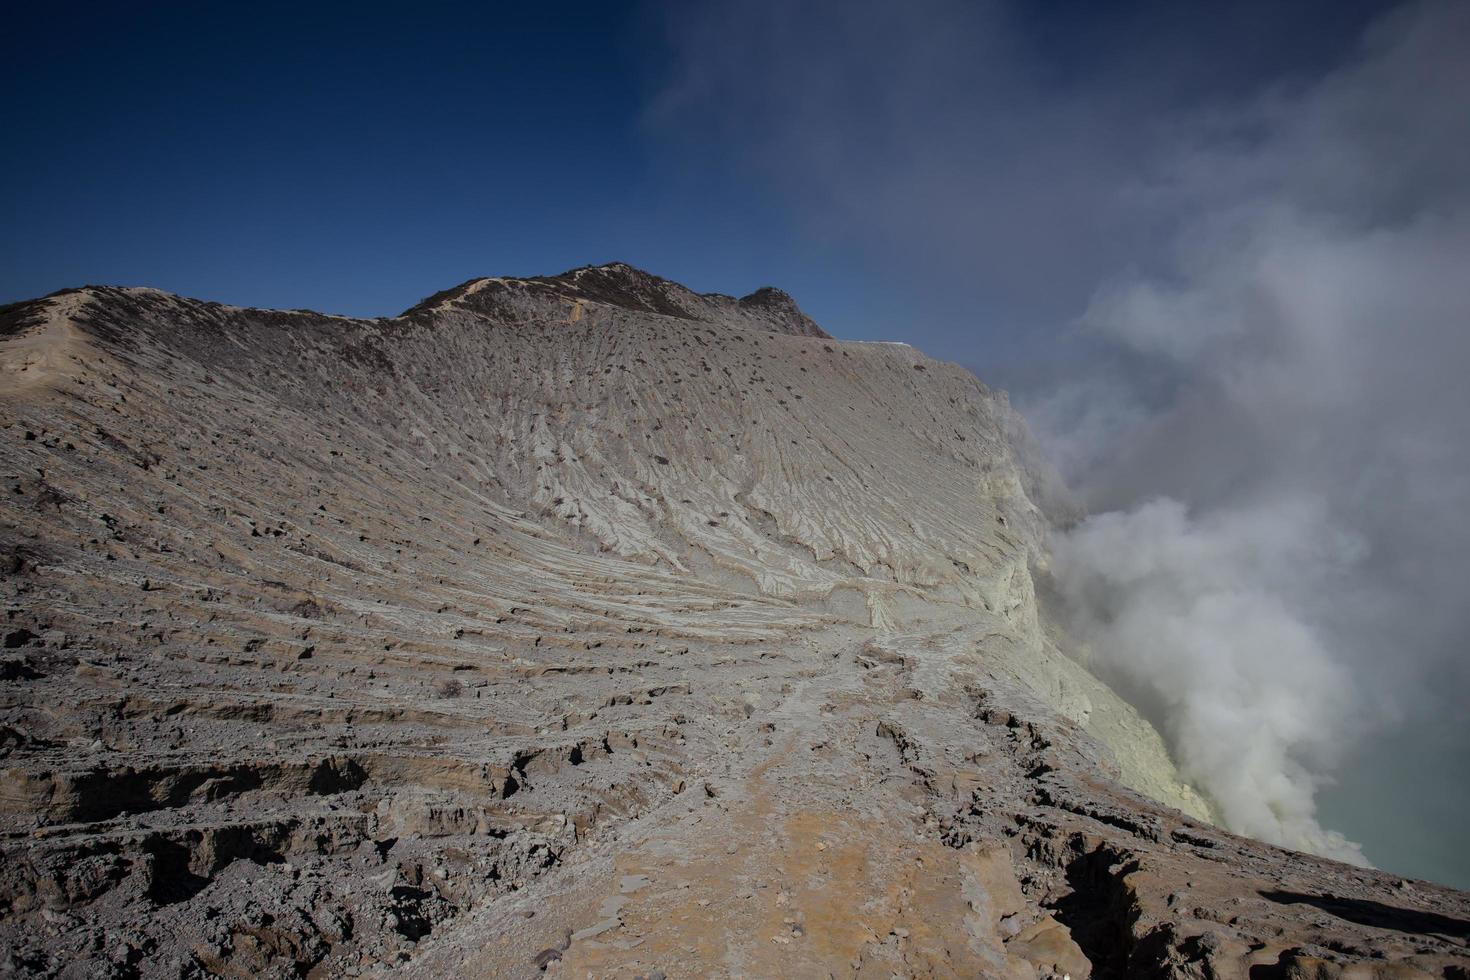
1192	619
1313	312
1240	318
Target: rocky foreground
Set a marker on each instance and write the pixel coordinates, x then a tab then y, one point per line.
587	625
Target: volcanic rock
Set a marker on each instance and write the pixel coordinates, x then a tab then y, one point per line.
336	646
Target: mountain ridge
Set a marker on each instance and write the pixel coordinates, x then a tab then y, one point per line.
612	283
620	284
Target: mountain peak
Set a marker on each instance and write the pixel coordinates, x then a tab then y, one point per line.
771	298
623	286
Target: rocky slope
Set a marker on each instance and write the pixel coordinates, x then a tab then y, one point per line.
584	624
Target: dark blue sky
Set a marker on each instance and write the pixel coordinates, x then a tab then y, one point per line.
356	157
353	159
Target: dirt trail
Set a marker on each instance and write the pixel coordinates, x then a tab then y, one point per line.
771	891
811	858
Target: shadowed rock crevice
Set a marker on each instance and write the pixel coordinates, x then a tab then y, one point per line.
1097	910
1377	914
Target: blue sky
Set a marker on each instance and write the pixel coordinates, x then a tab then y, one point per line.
356	159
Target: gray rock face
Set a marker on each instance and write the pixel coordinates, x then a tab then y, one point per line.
577	624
